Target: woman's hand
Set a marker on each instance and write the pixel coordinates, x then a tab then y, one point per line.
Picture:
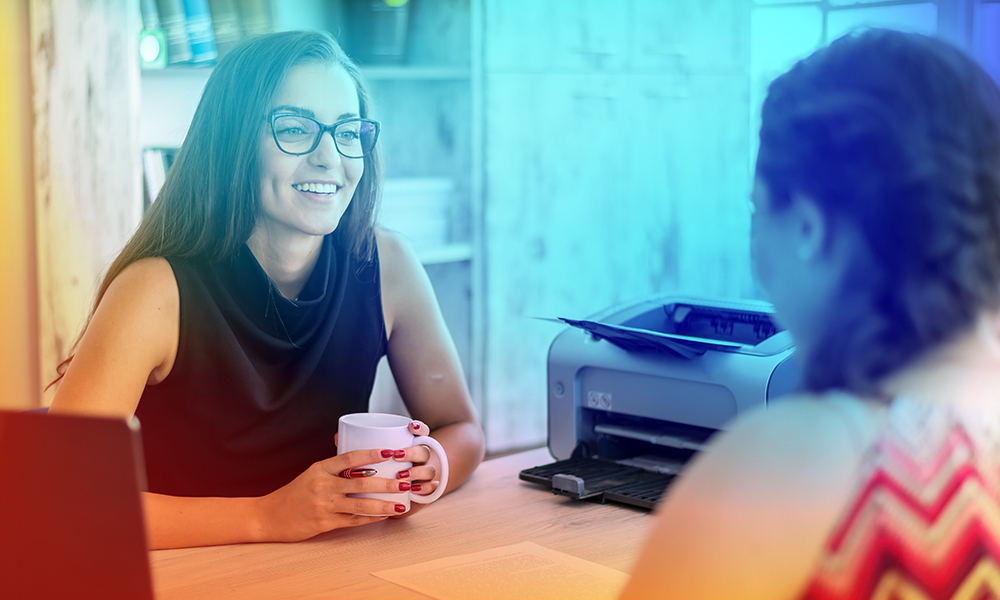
422	476
316	501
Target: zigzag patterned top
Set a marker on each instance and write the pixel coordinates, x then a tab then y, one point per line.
924	521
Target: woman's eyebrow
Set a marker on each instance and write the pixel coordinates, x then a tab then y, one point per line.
305	112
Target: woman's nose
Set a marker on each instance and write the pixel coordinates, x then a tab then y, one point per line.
325	156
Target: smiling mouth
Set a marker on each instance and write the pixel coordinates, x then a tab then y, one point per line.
317	188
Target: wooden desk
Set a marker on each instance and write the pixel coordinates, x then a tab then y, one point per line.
494	508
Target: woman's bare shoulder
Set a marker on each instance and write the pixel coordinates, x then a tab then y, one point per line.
153	274
761	500
799	453
130	342
394	250
145	292
797	431
144	298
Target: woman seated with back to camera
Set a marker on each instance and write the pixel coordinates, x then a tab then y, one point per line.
876	234
249	310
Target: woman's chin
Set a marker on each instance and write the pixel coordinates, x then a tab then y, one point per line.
321	227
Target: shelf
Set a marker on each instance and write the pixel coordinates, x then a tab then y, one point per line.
182	67
448	253
397	73
372	73
170	96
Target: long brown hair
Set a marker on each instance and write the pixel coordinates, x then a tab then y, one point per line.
210	201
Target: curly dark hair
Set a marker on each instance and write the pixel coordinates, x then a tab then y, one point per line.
898	134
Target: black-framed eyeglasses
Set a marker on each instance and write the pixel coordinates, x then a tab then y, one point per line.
296	134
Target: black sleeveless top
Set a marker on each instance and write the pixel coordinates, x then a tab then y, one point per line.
260	381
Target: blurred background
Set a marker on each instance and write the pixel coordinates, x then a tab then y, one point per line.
546	158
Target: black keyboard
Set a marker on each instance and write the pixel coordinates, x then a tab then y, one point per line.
604	480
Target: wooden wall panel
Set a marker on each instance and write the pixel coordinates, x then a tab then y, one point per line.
84	68
438	33
432	116
616	152
18	320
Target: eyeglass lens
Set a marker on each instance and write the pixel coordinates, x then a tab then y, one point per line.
299	135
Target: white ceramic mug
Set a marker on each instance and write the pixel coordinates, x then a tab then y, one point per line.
367	431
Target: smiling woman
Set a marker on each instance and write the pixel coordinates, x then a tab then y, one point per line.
249	310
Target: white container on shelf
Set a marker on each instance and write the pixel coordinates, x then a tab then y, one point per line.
419	208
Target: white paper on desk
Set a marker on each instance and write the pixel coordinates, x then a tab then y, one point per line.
524	570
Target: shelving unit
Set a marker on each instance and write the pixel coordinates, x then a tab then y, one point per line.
449	253
417	74
429	119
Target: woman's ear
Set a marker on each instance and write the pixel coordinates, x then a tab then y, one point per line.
809	227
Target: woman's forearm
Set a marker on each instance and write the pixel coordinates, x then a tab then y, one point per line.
180	522
465	445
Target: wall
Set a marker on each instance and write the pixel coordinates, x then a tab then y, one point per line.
986	34
18	319
616	161
88	199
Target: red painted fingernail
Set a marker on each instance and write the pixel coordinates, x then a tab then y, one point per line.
416	487
400	508
404	486
399	454
403	474
387	454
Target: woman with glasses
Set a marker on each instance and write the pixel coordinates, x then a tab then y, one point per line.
250	308
876	234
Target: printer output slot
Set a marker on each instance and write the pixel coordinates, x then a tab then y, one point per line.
672	441
618	437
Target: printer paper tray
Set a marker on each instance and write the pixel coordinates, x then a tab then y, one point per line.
605	480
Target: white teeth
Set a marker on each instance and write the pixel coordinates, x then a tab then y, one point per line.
316	188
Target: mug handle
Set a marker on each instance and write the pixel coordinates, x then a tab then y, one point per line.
436	445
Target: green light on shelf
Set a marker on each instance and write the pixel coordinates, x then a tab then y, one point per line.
152	49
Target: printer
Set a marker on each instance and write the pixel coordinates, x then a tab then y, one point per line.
635	391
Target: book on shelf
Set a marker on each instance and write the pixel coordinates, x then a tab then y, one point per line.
201	38
156	163
226	23
198	32
150	14
174	23
257	17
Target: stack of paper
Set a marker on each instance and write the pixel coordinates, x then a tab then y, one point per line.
525	571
